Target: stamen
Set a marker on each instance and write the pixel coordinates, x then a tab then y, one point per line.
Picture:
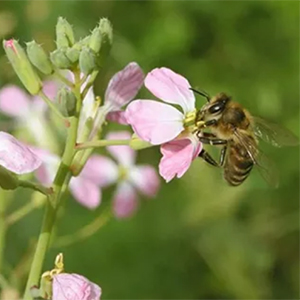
190	118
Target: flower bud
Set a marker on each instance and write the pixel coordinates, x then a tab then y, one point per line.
95	40
66	101
106	40
39	58
64	34
73	54
87	61
74	286
85	42
59	59
19	61
8	180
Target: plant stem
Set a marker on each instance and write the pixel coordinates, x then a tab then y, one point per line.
3	227
41	248
52	105
60	185
36	187
102	143
63	79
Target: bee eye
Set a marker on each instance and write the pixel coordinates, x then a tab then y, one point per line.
216	108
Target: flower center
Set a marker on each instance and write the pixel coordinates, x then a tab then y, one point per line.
190	119
123	173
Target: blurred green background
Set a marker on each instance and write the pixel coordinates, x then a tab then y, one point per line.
199	239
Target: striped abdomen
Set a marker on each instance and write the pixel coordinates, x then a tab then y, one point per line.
238	164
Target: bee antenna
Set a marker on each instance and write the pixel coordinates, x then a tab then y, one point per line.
202	93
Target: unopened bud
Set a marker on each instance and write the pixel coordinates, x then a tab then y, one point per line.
66	101
59	59
87	61
95	40
84	42
64	34
73	54
39	58
22	66
8	179
106	40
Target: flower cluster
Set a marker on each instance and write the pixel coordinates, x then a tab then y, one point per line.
67	109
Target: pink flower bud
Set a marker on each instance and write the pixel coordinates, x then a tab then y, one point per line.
23	68
74	287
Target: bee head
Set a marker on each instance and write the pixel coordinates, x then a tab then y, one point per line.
215	108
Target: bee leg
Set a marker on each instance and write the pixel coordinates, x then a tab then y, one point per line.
222	156
208	135
206	156
212	141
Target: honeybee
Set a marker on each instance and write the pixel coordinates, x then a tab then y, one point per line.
238	132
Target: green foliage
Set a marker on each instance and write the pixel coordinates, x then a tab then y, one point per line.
199	238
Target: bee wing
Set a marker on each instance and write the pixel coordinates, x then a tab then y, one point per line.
267	169
273	133
265	166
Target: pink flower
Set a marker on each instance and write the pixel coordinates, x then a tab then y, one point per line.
129	177
121	89
163	124
28	111
15	156
74	287
85	187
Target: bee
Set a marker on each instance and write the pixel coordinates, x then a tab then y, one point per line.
238	132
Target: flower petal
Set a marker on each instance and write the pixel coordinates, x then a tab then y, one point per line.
14	101
15	156
85	192
125	200
171	88
100	170
117	117
50	88
123	154
74	287
124	86
88	110
177	157
145	178
154	122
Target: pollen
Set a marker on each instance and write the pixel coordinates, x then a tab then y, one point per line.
190	119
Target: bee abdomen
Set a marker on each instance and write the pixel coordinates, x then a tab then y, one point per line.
237	167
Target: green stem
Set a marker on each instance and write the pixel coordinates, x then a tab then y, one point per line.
41	249
63	79
3	227
102	143
52	106
36	187
60	186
